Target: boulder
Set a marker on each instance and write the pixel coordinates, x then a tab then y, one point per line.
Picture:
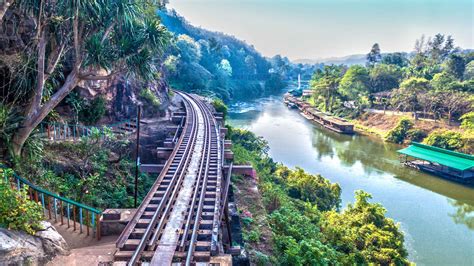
53	242
20	248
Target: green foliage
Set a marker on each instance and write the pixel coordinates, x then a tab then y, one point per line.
354	85
220	106
76	102
456	65
93	111
445	139
217	65
400	132
363	231
415	134
313	188
374	56
9	122
17	211
467	121
99	171
303	214
384	77
151	102
252	236
396	59
325	84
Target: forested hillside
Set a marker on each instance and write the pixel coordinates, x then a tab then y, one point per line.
217	64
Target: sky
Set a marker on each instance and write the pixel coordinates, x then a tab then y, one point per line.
314	29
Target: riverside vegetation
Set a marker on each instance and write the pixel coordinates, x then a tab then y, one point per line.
306	220
434	82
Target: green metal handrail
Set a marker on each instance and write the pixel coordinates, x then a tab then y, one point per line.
36	193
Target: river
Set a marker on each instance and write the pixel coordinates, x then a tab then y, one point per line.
437	216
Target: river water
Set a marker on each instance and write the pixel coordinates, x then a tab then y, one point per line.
437	216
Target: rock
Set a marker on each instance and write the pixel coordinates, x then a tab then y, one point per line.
20	248
53	242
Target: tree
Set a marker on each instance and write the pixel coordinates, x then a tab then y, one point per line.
397	59
384	77
325	83
440	47
455	102
456	66
363	231
444	81
374	56
79	39
354	85
407	97
469	71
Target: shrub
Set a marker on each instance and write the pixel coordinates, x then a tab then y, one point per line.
448	139
93	111
150	98
467	121
416	135
252	236
399	133
17	211
220	106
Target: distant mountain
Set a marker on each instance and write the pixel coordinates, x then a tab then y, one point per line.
357	59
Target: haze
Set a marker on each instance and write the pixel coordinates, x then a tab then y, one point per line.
311	29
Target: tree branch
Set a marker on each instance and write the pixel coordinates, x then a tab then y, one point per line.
54	60
40	79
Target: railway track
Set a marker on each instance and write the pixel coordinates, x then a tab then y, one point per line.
178	221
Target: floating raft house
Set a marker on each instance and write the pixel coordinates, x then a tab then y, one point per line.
438	161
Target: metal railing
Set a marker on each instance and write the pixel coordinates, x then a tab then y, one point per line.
58	208
62	131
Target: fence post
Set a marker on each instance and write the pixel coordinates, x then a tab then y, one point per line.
55	203
68	215
80	220
42	202
74	216
98	226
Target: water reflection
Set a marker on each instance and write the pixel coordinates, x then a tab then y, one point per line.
464	213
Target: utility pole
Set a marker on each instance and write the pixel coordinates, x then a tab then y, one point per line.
137	157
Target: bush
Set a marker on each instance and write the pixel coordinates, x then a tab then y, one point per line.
448	139
17	211
220	106
467	121
150	98
416	135
93	111
399	133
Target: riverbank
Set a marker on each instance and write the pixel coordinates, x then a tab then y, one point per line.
380	124
303	213
412	198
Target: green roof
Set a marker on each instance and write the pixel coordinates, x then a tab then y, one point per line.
456	160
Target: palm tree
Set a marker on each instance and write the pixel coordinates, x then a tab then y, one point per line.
75	39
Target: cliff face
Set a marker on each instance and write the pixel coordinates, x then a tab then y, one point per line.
123	96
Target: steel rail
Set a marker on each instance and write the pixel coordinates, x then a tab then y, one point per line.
197	217
175	183
157	232
204	165
132	224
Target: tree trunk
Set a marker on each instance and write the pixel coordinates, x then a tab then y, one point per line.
3	8
38	114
